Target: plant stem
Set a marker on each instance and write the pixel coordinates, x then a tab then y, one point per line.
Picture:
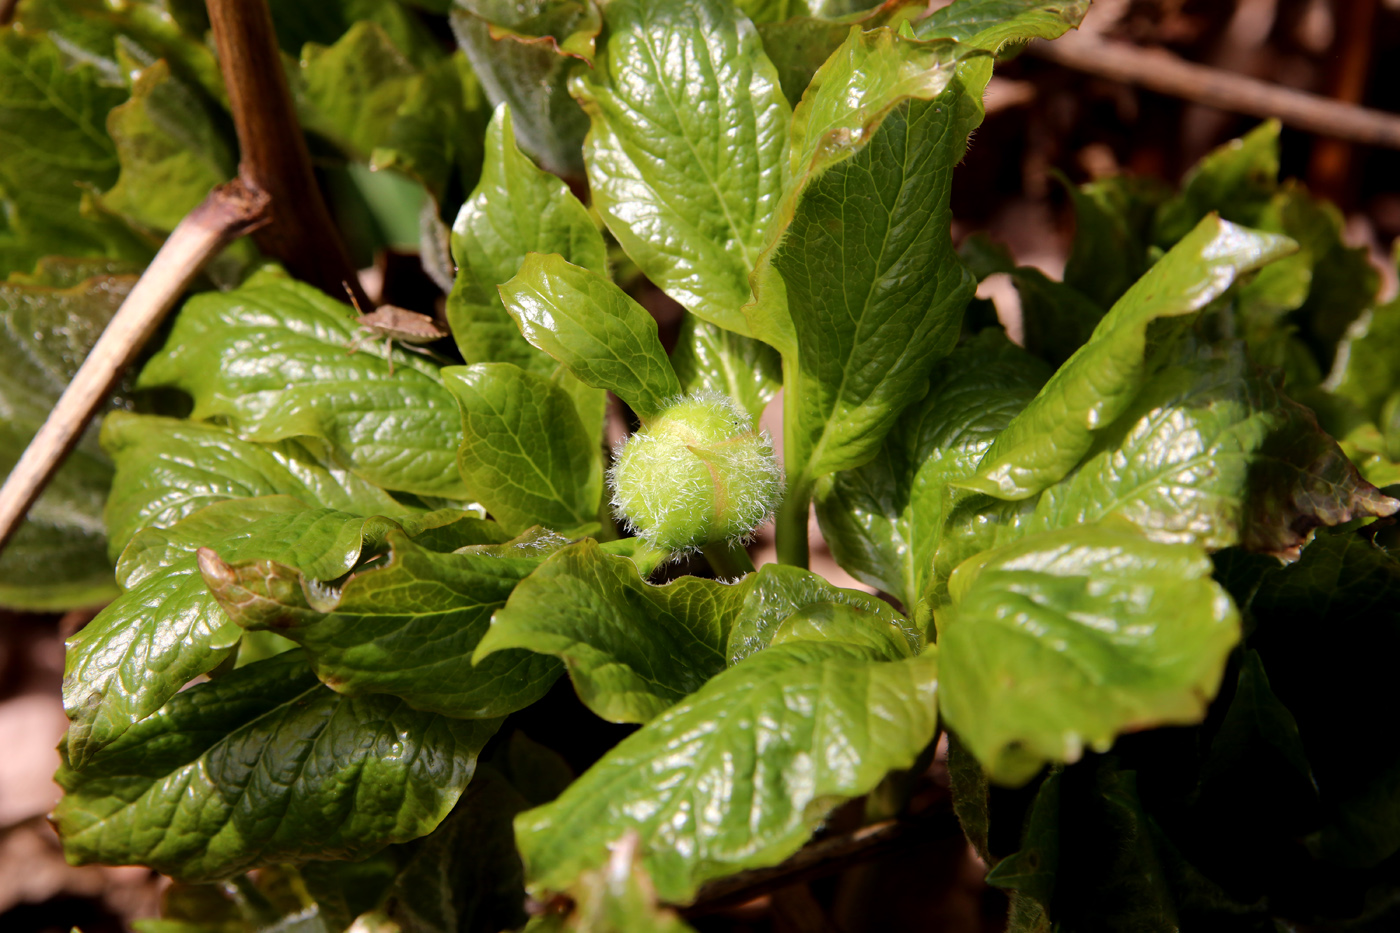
729	559
791	525
230	211
273	153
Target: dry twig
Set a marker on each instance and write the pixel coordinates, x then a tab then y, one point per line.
1163	72
230	211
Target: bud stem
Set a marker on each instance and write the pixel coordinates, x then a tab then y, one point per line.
729	559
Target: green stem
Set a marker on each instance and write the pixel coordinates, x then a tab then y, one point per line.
791	525
729	559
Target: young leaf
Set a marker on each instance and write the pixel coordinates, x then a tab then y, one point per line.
1113	221
406	627
740	773
525	455
169	468
268	766
778	591
994	24
58	557
166	627
1067	638
1099	381
529	71
709	359
351	92
883	520
1055	318
1235	181
686	149
1367	370
515	210
171	150
399	432
594	329
632	649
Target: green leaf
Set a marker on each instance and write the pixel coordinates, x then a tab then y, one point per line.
883	520
594	329
777	591
298	23
1100	381
993	24
739	774
1055	318
58	558
267	766
169	468
1236	181
1066	639
399	432
709	359
515	210
1113	221
800	40
523	54
351	92
685	156
405	626
1213	454
866	261
525	455
1030	870
1326	627
166	627
620	898
52	140
632	649
171	150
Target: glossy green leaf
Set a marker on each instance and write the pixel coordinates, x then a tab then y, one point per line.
1100	381
992	24
172	151
166	627
516	209
632	649
405	626
1064	640
685	156
1367	369
524	454
1212	454
58	557
169	468
709	359
740	773
800	38
594	329
399	432
883	520
777	591
265	765
1235	181
529	70
620	898
52	140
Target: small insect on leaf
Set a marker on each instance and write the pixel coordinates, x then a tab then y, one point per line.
392	323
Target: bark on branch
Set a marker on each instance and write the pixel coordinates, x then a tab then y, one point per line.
230	211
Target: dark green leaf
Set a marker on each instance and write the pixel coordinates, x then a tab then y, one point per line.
883	520
265	765
405	627
1235	181
1030	870
710	359
992	24
1055	318
169	468
1367	371
799	40
1100	381
399	432
739	774
58	557
525	454
529	70
632	649
594	329
1066	639
1113	221
516	209
299	23
685	157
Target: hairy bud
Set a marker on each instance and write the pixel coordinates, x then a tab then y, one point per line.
697	474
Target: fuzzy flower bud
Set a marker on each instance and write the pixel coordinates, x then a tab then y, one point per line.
696	474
